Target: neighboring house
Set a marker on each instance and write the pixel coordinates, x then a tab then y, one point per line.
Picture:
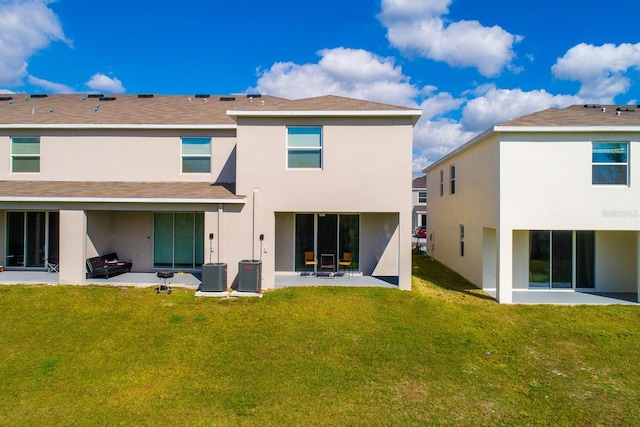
419	188
172	182
545	201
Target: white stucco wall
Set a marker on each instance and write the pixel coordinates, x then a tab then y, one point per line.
616	260
474	205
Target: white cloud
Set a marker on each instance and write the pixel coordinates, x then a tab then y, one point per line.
50	86
436	135
601	70
354	73
27	26
102	83
416	27
439	104
499	105
434	139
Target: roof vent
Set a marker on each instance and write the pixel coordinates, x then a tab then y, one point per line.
39	95
6	98
625	109
145	95
591	105
254	95
96	95
107	98
50	110
227	98
97	107
202	95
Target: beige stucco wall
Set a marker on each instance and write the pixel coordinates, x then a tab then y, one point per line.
112	155
366	169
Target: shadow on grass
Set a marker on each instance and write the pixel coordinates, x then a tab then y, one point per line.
437	274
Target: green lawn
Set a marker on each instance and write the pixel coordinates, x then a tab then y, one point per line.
443	354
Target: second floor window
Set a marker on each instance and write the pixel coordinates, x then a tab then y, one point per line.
441	183
452	175
422	197
196	155
25	154
610	163
304	147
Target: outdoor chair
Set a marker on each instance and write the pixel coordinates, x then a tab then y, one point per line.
346	262
309	261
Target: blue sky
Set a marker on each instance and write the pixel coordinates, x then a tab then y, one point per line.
467	64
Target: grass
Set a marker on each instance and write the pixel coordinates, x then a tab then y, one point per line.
444	354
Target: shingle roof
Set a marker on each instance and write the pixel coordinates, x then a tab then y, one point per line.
162	109
115	190
420	182
580	115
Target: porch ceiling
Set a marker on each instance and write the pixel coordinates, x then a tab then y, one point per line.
100	191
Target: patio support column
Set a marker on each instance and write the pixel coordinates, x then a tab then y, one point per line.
404	251
73	246
504	285
638	265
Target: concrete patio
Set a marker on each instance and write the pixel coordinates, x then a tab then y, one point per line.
192	280
569	297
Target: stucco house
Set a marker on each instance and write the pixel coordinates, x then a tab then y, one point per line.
419	200
545	201
172	182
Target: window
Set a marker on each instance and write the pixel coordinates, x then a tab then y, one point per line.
441	183
25	154
196	155
304	148
452	177
610	163
461	240
422	197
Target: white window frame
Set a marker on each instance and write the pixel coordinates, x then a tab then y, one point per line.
15	156
422	197
319	149
184	155
626	164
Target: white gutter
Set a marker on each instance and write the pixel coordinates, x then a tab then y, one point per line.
327	113
52	199
520	129
117	126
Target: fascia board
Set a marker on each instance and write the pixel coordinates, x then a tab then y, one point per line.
117	126
119	200
415	114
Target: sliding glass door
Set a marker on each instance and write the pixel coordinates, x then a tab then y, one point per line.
561	259
178	240
329	234
32	239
